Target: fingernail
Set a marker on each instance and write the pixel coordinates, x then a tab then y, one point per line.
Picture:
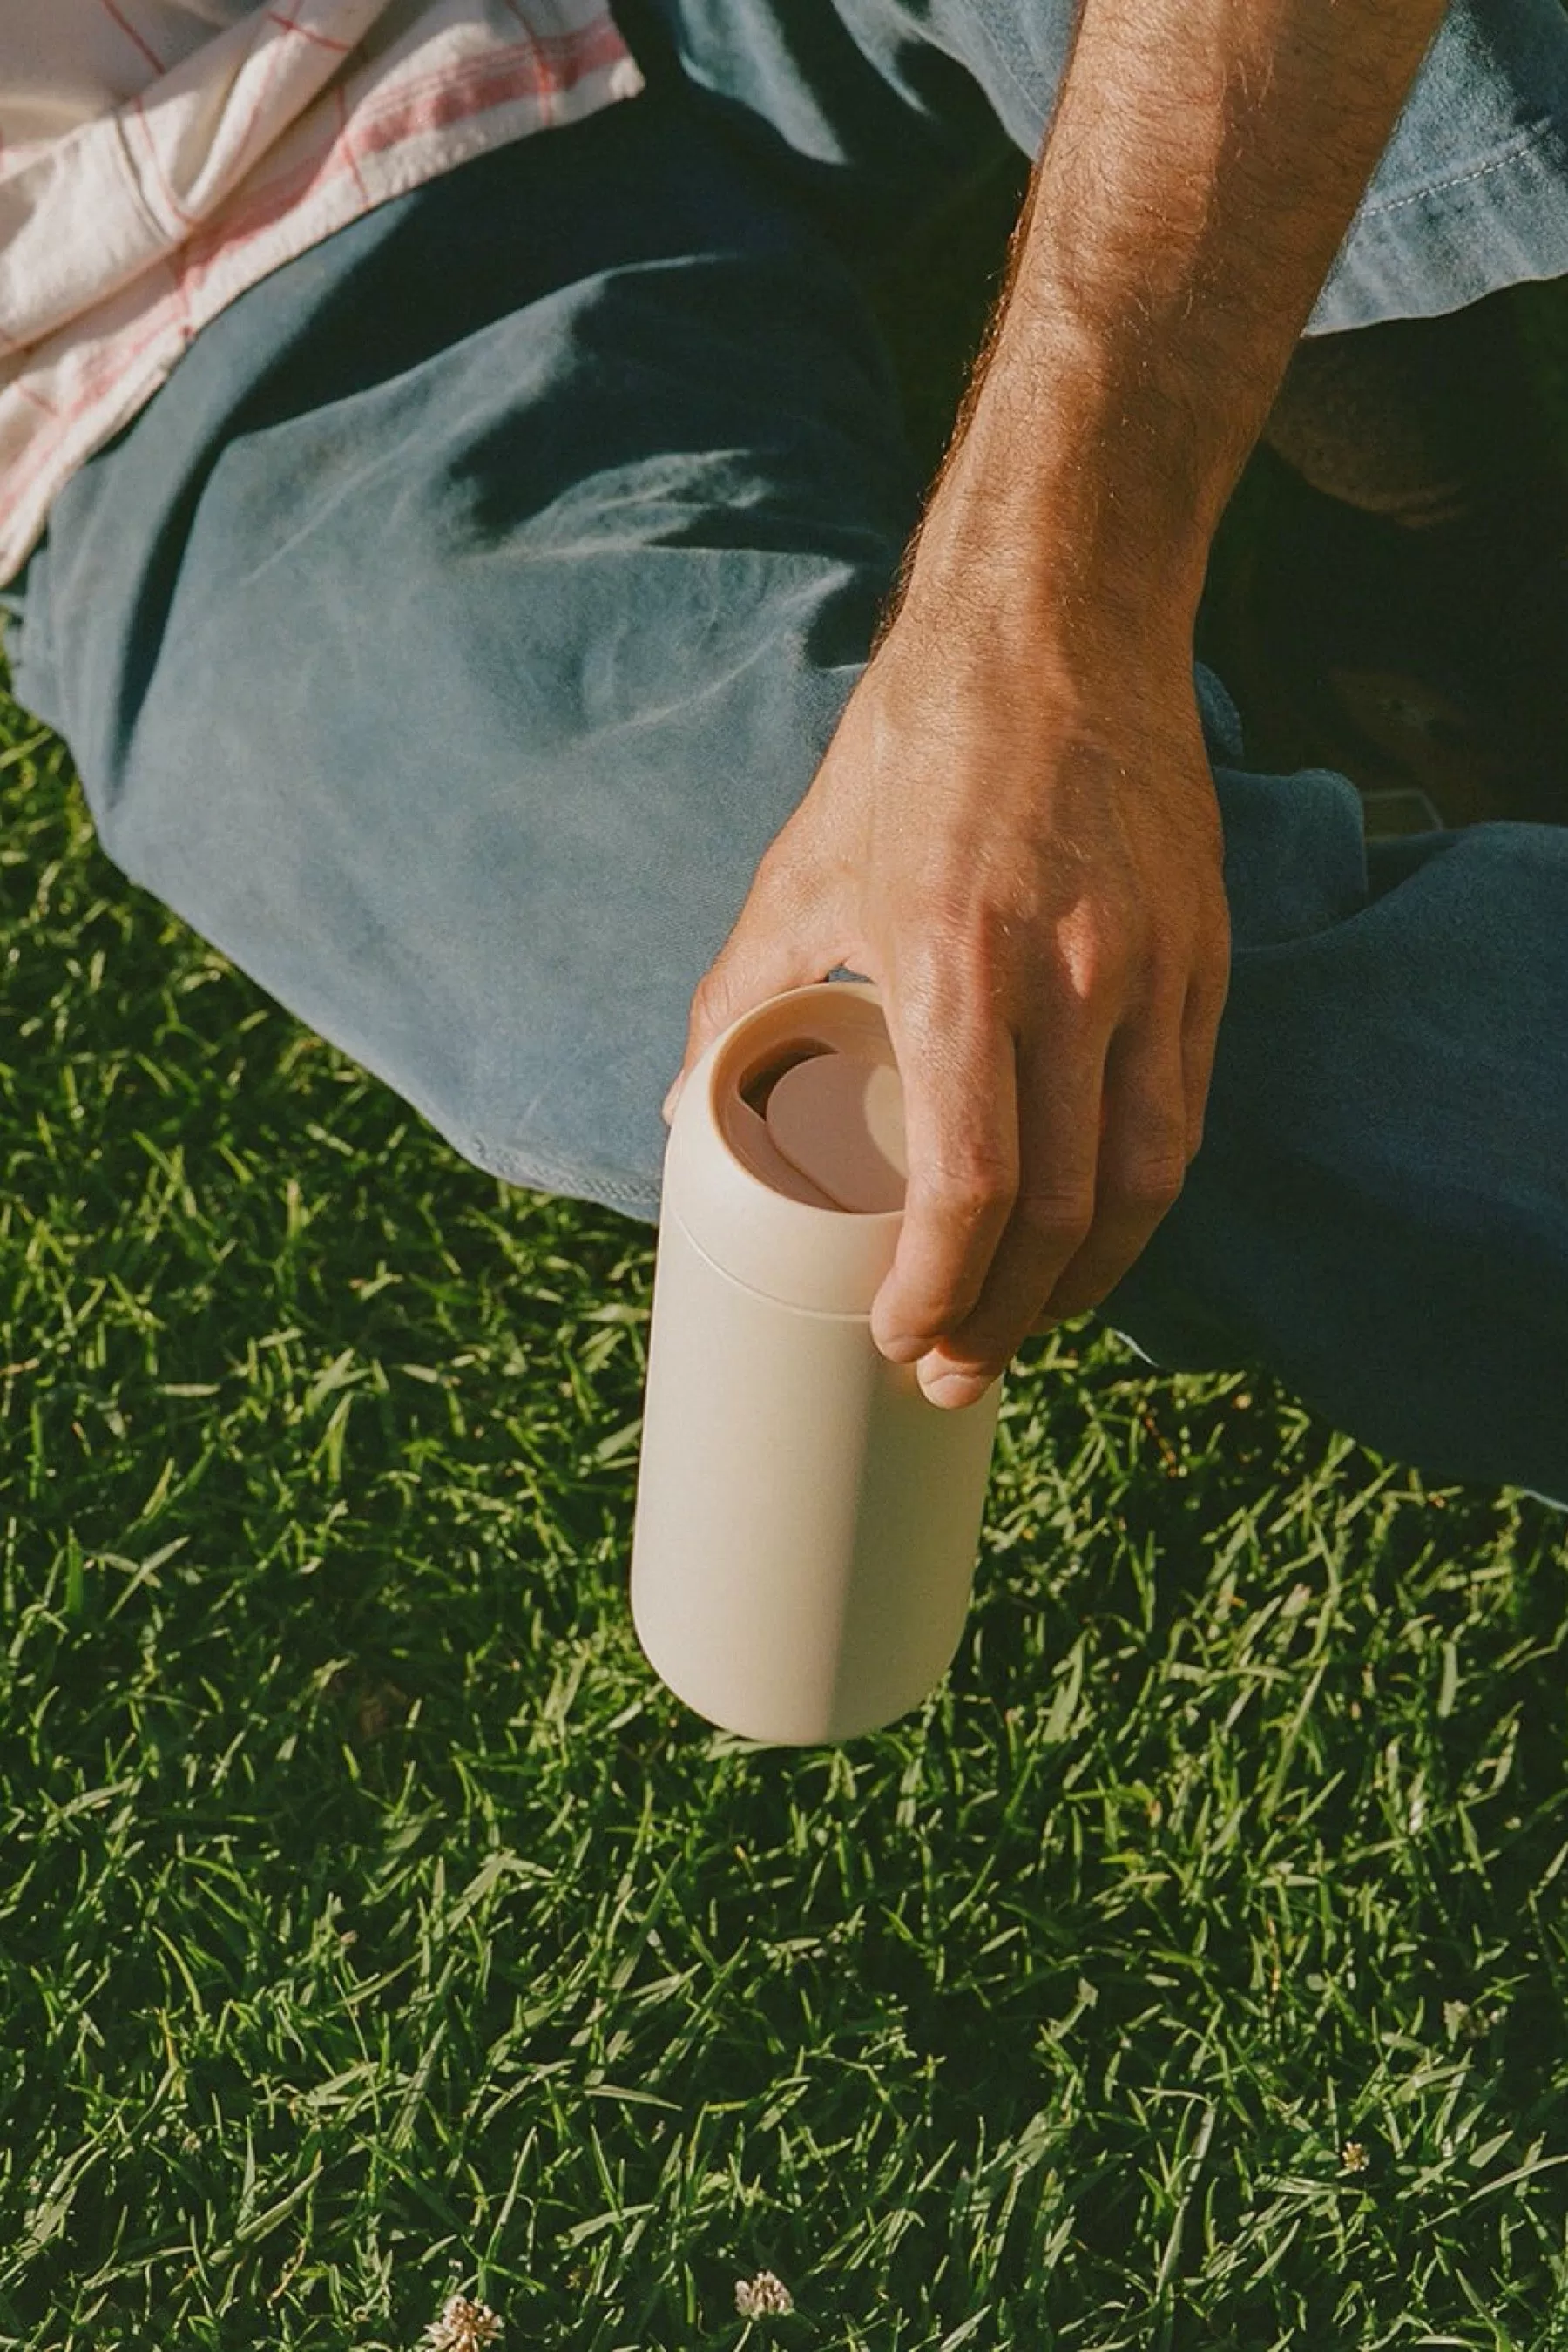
950	1389
666	1108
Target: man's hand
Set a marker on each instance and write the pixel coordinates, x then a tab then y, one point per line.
1014	832
1029	868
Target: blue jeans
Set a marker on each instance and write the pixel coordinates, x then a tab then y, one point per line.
449	637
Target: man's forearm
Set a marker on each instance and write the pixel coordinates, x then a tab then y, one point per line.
1205	161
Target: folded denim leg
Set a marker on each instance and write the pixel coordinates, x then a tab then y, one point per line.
1379	1212
884	99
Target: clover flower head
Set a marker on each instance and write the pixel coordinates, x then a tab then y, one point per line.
764	2294
463	2326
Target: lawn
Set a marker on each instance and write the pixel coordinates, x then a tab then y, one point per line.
1190	1971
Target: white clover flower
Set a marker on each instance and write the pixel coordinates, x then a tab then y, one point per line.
763	2295
463	2326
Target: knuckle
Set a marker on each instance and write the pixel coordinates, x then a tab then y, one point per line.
709	1012
975	1192
714	977
1089	972
947	986
1152	1185
1097	949
1056	1217
969	1184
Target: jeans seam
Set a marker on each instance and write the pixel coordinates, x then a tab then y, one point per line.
545	1173
1527	144
1542	134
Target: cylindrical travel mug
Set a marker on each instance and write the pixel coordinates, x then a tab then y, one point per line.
808	1521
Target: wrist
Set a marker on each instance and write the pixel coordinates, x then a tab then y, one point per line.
1084	480
1087	546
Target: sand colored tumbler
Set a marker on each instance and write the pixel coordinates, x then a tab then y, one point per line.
806	1522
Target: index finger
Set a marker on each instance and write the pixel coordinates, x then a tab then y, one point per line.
956	1063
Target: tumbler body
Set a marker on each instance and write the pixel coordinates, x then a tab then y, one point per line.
806	1521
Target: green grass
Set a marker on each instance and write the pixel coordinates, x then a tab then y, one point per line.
1190	1971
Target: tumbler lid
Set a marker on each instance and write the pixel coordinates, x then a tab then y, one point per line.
787	1161
839	1117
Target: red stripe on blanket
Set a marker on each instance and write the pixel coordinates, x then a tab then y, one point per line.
543	67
